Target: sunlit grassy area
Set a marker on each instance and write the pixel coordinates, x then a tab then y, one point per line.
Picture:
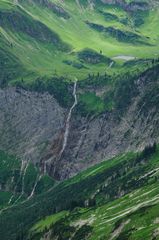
44	59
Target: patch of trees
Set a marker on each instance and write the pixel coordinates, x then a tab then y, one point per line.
56	86
93	57
120	35
149	150
9	67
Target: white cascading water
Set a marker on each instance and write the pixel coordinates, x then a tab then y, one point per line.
22	172
10	200
34	187
66	134
12	196
67	127
45	166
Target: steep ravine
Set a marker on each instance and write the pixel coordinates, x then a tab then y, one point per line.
32	125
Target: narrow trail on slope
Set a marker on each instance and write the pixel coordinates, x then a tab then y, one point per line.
111	64
67	126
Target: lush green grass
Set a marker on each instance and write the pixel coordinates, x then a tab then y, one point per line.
47	222
118	186
89	103
42	58
140	209
133	216
32	59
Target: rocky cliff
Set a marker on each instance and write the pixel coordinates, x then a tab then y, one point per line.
29	121
32	126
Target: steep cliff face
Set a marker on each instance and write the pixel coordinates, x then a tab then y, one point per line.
29	121
109	134
33	127
106	136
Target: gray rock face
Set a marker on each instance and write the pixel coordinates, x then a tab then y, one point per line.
108	135
28	122
32	126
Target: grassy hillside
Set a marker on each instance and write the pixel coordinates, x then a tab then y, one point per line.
17	180
97	202
45	38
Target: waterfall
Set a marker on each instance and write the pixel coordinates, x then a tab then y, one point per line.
34	187
67	126
23	183
10	200
24	166
23	171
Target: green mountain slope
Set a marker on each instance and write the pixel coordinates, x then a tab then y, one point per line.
103	202
47	37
